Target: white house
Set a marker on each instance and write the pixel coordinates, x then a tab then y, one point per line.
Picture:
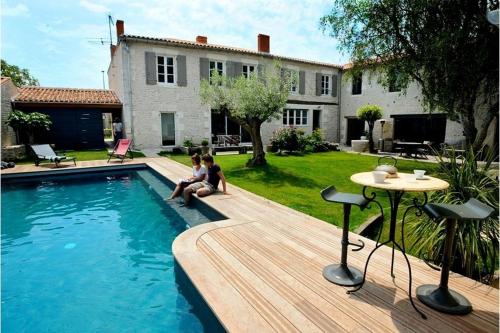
158	82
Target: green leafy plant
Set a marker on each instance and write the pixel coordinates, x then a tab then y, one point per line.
315	142
188	143
288	139
476	253
29	123
204	142
370	113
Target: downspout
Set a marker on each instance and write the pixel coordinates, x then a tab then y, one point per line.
127	85
340	105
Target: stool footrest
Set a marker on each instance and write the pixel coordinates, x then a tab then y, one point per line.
358	246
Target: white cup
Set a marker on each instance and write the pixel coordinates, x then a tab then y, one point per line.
379	176
419	174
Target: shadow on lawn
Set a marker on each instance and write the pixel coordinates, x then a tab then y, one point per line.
271	175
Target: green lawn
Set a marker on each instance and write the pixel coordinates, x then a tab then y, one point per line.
82	155
295	181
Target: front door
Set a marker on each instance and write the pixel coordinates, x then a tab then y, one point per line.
355	128
168	129
316	119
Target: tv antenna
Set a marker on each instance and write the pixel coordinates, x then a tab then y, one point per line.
104	40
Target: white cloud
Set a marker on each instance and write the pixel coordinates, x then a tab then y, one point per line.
93	7
18	10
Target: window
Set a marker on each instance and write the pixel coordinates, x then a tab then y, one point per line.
167	129
294	77
325	85
357	83
217	65
294	117
165	70
247	70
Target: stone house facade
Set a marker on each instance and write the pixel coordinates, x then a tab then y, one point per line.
158	82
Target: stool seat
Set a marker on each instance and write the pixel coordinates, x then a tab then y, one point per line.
471	210
331	194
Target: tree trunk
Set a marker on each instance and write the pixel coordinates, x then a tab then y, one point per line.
469	125
258	149
370	137
483	130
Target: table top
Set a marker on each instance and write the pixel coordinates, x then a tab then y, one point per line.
405	182
409	143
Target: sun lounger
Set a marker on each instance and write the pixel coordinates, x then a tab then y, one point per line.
121	150
46	153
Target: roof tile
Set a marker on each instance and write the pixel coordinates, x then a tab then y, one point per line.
66	96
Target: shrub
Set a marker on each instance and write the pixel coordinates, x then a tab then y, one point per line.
188	143
370	113
204	142
288	139
315	142
29	123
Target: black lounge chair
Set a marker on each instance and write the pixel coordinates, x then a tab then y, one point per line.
46	153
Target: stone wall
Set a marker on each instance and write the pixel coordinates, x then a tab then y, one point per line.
9	90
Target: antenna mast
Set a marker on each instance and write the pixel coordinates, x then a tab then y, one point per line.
110	24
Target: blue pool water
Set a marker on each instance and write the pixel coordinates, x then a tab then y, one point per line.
92	253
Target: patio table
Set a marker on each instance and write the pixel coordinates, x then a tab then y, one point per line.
410	148
396	188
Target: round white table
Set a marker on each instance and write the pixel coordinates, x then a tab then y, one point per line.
396	188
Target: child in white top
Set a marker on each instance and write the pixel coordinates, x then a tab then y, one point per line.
199	173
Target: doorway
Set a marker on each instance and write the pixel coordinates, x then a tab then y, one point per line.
355	129
168	129
316	119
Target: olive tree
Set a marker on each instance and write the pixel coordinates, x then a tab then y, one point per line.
29	123
249	101
370	113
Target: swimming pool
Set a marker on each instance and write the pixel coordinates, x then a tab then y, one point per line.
93	253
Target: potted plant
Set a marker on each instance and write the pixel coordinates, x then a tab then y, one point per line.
363	135
204	146
370	113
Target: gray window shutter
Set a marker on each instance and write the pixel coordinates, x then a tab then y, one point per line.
238	69
334	85
302	82
204	69
260	70
181	71
230	69
150	68
318	84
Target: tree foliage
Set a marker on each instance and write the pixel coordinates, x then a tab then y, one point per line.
249	101
20	76
447	47
370	113
29	123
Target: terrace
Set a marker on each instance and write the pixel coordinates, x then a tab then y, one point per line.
261	270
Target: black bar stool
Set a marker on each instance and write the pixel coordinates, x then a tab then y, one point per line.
440	297
342	274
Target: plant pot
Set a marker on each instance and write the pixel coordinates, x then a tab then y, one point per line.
194	150
363	137
205	149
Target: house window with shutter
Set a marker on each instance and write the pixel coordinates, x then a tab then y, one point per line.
295	117
357	84
325	85
216	65
294	77
247	70
165	69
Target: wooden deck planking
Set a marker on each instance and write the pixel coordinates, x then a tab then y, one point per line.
261	271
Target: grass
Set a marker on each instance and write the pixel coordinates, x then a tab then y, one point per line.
296	181
82	155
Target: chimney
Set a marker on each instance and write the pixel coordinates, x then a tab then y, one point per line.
201	39
263	42
120	29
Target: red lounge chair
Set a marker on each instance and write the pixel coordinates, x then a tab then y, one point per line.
121	149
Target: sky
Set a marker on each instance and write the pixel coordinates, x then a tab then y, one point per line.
55	39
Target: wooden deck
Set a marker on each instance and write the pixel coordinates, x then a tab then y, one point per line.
261	271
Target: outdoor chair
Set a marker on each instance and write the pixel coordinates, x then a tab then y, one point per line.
440	297
46	153
121	150
342	274
425	150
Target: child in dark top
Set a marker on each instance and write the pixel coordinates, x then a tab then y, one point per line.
211	182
